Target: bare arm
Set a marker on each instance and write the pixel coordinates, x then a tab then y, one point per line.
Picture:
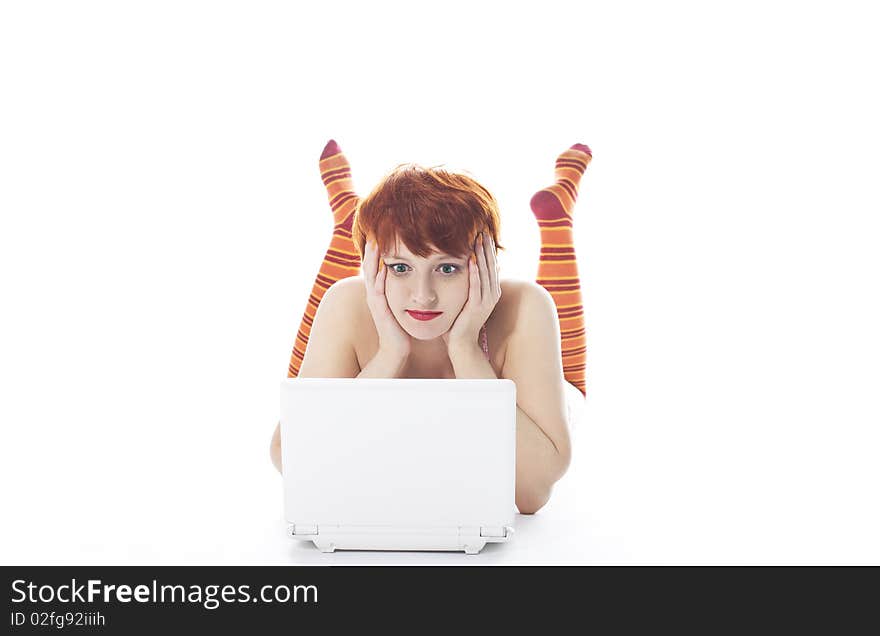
330	351
383	365
534	363
539	464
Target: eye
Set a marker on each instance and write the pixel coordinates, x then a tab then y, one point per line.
447	272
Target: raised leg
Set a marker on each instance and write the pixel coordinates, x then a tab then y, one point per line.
553	208
342	259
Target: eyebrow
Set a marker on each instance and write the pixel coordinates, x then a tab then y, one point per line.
436	258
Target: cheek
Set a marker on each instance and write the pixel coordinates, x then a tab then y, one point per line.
459	291
394	292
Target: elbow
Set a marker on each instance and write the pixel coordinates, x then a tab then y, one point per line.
275	449
530	500
533	494
563	456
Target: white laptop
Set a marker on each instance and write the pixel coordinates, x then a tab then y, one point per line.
399	464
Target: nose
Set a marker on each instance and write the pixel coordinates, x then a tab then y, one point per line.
423	295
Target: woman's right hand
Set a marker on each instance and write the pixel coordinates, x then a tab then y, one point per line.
392	338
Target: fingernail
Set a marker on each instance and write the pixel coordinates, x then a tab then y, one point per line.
480	238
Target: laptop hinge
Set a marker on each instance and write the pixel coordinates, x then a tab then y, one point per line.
299	528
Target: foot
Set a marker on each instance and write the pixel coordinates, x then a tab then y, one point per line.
336	175
557	201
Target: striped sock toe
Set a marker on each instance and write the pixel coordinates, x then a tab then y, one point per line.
557	201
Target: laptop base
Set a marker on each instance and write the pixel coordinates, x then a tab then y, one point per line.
470	539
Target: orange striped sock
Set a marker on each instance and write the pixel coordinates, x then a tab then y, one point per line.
557	264
342	259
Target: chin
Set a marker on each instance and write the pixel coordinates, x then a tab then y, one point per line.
427	334
431	332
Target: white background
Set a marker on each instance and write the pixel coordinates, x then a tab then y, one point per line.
163	220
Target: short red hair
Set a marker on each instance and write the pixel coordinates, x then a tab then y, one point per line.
427	209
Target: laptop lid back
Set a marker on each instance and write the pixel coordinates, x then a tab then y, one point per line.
385	452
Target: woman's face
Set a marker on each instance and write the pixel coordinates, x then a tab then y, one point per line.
413	284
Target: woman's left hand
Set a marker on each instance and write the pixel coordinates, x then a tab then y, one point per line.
483	294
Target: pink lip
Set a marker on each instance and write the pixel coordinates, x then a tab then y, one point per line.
424	315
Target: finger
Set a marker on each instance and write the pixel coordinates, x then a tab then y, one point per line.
376	262
475	296
380	278
493	266
483	268
369	263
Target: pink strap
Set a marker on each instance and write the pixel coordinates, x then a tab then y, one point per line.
484	341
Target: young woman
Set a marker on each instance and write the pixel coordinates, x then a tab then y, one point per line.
430	303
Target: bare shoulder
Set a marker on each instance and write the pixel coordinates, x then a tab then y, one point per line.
349	304
351	293
352	302
348	285
510	317
520	298
331	347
